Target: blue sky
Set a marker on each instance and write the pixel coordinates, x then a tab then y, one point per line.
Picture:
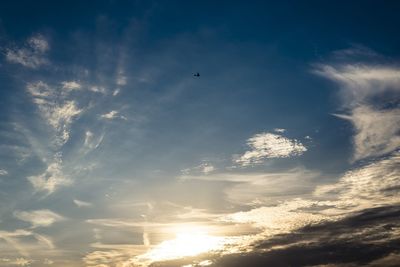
114	154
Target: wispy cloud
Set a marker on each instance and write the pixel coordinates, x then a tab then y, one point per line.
97	89
55	109
256	188
204	168
16	262
71	85
3	172
52	178
361	81
121	79
82	204
59	112
365	90
376	131
38	218
269	145
116	256
32	54
113	114
17	240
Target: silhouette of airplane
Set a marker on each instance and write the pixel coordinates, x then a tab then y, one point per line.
196	74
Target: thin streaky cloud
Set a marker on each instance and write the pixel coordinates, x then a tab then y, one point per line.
82	204
71	85
39	218
113	114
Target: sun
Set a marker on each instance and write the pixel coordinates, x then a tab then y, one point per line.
189	241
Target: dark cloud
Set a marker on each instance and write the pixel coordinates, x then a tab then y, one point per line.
370	236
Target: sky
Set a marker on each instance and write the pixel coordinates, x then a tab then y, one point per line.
285	151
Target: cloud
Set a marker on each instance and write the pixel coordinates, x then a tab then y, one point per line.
282	218
18	240
106	258
360	81
372	185
38	218
377	131
371	236
81	203
98	89
252	188
16	261
279	130
3	172
370	96
91	142
112	115
121	79
54	108
116	92
71	85
32	54
356	50
51	179
204	168
269	145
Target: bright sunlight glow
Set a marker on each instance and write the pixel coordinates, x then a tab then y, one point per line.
189	241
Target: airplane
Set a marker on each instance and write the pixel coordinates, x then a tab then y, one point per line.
196	74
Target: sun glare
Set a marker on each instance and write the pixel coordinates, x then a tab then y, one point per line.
188	241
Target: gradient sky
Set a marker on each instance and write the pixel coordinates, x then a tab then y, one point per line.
284	152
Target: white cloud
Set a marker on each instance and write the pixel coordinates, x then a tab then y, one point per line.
112	115
116	92
372	185
204	168
38	218
51	179
283	218
39	43
57	111
81	203
362	88
359	82
39	90
377	132
3	172
71	85
269	145
31	55
98	89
